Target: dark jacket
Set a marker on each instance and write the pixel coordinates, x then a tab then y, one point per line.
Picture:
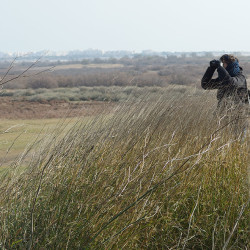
229	88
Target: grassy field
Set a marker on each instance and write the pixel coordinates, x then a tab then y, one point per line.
17	135
161	172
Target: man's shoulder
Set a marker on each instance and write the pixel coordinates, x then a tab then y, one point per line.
241	75
241	72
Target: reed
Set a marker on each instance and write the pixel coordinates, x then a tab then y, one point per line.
156	173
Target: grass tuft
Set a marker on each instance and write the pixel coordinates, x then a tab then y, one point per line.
157	173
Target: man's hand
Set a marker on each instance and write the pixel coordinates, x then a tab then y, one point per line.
214	64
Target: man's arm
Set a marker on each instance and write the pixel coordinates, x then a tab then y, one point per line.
207	82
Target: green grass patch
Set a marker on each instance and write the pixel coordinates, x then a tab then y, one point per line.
17	135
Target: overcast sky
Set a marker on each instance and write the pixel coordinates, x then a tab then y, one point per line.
161	25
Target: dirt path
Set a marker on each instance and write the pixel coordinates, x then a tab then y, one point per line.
23	109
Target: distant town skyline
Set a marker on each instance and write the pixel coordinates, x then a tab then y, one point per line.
158	25
93	55
149	51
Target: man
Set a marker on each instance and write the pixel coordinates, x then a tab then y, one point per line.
232	93
231	83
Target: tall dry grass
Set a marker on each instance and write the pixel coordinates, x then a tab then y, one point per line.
154	174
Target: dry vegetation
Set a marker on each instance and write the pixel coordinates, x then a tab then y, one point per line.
141	72
104	76
153	169
158	173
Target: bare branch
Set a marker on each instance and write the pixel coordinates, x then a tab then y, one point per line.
22	74
9	69
40	72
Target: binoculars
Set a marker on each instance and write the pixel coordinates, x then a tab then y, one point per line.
215	63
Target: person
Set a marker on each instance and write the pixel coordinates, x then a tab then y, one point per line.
232	92
231	84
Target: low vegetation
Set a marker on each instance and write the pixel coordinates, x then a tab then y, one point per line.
105	94
159	172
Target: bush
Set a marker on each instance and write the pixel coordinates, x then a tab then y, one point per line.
6	93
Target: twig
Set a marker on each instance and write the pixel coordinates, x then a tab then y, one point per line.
35	199
40	72
213	242
22	74
11	127
235	225
10	147
10	67
191	217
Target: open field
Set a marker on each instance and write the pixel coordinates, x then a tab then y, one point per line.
133	157
23	121
44	108
26	113
160	172
17	135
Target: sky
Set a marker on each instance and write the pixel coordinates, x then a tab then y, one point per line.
136	25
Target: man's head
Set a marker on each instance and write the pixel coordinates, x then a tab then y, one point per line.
227	59
231	64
